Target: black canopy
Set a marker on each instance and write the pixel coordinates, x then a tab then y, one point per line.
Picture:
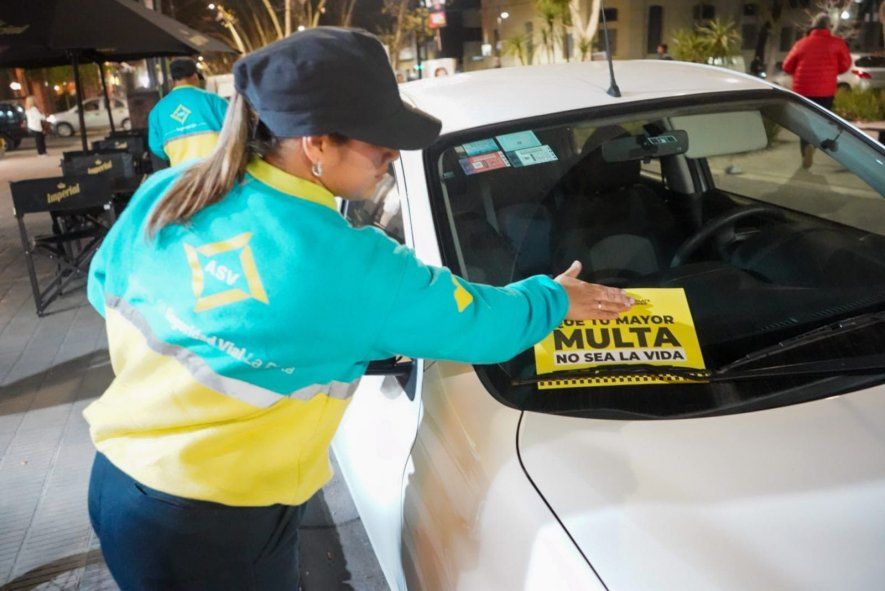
42	33
110	30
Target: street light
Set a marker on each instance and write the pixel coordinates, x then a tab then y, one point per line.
502	16
211	7
15	86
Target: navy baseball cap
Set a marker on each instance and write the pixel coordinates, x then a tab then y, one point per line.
182	68
331	80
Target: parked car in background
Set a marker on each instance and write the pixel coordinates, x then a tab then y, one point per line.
771	475
13	125
95	116
867	71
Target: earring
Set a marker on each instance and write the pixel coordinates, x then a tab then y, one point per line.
317	169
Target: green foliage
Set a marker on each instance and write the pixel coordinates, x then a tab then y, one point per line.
721	39
520	47
716	40
688	46
860	105
557	18
585	46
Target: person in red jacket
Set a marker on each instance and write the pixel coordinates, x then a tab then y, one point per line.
815	62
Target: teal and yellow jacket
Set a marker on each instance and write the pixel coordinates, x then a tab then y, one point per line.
185	124
237	339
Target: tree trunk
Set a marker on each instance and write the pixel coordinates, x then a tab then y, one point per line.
586	26
775	10
273	17
259	29
398	33
348	13
315	21
288	12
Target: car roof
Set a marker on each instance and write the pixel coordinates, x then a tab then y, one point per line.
473	99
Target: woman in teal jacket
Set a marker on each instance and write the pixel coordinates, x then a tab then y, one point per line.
241	308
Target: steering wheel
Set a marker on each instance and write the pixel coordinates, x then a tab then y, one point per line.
714	226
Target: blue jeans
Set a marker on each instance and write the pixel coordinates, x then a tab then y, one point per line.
156	541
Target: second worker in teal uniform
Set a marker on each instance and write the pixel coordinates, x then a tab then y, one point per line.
185	123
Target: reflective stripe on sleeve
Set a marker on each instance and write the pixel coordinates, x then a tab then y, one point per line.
206	376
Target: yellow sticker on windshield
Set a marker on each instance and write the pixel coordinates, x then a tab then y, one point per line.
658	330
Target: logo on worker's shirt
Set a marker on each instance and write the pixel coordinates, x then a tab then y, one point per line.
224	273
180	114
462	296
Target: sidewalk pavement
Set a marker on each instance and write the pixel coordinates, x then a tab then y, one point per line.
51	368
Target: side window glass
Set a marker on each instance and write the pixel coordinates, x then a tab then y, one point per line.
90	106
383	210
782	174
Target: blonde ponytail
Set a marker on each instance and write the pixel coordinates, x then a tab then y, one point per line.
208	181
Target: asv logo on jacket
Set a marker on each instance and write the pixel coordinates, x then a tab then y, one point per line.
224	273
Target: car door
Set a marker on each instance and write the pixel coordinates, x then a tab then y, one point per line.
92	114
374	440
120	112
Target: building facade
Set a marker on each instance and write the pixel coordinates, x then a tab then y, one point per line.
514	32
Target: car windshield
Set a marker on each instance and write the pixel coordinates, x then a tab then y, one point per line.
718	196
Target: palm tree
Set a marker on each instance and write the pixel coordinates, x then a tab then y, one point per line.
520	47
688	46
557	19
586	29
721	40
714	42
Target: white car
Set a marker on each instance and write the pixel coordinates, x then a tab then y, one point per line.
765	472
95	116
867	72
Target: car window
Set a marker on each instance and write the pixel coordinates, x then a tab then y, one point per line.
118	104
383	210
870	61
90	106
827	188
640	198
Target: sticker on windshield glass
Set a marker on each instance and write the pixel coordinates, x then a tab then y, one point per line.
658	330
518	141
530	156
477	147
483	163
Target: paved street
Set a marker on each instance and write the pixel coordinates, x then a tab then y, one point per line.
827	189
51	368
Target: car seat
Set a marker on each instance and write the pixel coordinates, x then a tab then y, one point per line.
486	254
617	227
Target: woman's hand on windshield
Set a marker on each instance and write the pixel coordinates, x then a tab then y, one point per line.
589	301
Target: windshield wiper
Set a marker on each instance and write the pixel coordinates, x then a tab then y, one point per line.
818	334
842	365
731	372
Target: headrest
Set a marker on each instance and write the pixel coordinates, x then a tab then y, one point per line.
591	174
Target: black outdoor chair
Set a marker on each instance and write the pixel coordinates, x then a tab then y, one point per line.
127	133
117	165
113	163
135	144
82	210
